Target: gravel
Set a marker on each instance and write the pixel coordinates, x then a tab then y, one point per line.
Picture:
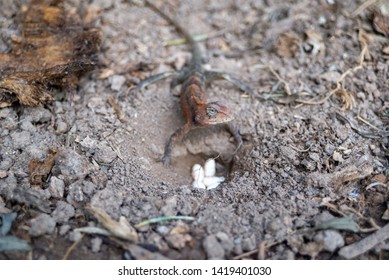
213	248
42	224
56	187
63	212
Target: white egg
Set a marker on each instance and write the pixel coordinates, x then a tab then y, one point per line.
198	185
213	182
198	172
210	167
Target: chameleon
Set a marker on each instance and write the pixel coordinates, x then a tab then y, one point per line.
197	112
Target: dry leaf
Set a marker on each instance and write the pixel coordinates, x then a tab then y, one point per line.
380	22
40	170
288	45
121	229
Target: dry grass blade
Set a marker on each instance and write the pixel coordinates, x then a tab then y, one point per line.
71	248
121	229
362	7
162	219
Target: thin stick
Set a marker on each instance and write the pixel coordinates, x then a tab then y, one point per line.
247	254
162	219
111	101
262	250
362	7
71	248
366	122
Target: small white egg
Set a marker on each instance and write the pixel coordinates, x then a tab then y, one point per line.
198	172
213	182
210	167
198	185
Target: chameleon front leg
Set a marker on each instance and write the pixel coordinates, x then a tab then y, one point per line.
156	78
235	133
174	138
213	75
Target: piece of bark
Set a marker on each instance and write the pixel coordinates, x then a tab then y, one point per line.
364	245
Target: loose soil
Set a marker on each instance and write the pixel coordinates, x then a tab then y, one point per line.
300	165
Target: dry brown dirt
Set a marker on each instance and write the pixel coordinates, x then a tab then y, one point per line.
300	165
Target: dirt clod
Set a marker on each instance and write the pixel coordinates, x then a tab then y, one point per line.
42	224
63	212
331	239
213	248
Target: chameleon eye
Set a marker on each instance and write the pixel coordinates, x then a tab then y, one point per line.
211	112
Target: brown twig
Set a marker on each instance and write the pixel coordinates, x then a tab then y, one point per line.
362	7
120	114
366	122
71	248
262	250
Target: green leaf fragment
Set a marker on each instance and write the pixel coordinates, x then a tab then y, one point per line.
162	219
345	223
9	243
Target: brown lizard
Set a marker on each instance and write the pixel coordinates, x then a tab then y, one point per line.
197	112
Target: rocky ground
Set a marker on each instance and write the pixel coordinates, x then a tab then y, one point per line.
310	180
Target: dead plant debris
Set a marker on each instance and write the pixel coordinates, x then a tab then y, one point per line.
121	229
379	21
347	99
288	45
40	170
54	49
360	247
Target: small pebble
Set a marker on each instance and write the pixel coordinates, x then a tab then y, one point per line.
337	156
163	230
56	187
249	243
75	193
96	244
42	224
62	127
213	248
170	207
117	81
104	153
21	139
64	229
3	174
226	242
63	212
331	239
75	236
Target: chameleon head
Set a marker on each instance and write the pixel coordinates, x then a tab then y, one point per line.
214	113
